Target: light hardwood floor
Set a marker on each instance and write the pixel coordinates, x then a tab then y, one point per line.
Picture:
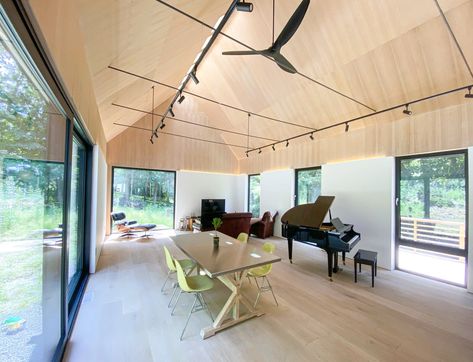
124	316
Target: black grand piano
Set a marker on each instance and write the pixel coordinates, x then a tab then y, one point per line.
304	223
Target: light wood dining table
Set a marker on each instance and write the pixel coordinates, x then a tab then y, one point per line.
229	263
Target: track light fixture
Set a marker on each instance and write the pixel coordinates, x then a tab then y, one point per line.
194	77
287	143
469	95
162	125
172	113
259	151
312	136
407	111
181	99
155	134
151	140
247	154
274	148
244	6
347	127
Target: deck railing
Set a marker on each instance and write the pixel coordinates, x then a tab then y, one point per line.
439	232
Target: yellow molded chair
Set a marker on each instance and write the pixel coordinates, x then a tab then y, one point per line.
243	237
262	274
196	285
187	264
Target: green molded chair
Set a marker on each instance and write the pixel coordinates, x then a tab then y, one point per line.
262	274
187	264
195	285
243	237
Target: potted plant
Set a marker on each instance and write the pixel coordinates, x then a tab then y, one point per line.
217	223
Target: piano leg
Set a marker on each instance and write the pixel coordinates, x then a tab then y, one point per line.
330	263
343	258
289	248
335	262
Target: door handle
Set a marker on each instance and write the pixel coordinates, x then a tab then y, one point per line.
397	201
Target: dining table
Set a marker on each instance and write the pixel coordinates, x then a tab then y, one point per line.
229	262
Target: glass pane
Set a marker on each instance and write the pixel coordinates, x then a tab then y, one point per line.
254	190
76	215
449	268
32	141
145	196
433	200
308	185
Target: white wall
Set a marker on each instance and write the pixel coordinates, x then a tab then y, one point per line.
470	221
192	187
98	207
277	194
364	196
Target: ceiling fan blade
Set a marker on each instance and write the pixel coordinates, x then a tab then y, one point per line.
283	63
242	52
291	27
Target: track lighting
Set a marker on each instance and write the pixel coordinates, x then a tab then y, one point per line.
155	134
287	143
312	136
274	148
347	127
243	6
259	151
162	125
181	99
407	111
247	154
194	77
469	95
151	140
172	113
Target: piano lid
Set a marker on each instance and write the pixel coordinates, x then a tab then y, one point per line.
309	215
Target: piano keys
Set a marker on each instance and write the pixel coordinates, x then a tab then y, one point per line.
304	223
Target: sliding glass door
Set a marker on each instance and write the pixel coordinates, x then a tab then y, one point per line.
431	216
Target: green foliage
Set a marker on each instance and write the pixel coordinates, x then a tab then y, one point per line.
254	193
217	223
308	185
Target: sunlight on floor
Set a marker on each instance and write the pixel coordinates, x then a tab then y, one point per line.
435	265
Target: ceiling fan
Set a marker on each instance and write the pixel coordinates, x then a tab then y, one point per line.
274	51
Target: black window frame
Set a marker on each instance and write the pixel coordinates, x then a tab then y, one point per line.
426	246
296	180
143	169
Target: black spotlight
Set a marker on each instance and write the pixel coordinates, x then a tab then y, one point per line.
274	148
172	113
162	125
469	95
347	127
312	136
407	111
259	151
155	134
243	6
247	154
181	99
194	77
287	143
151	140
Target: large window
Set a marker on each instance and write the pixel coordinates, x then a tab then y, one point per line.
308	184
431	216
254	191
146	196
42	223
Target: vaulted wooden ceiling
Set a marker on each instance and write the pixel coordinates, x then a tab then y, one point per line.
379	52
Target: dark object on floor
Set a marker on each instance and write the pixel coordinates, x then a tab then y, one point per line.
234	223
129	228
265	227
368	258
304	223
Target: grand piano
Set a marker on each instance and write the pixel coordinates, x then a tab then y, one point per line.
305	224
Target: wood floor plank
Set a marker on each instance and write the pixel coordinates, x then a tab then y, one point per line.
124	316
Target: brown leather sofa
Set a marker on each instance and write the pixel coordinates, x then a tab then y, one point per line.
264	228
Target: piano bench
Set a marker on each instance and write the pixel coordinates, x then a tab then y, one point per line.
368	258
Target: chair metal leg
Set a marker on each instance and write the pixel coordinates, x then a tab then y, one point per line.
189	316
177	301
271	289
259	293
205	305
173	294
167	278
